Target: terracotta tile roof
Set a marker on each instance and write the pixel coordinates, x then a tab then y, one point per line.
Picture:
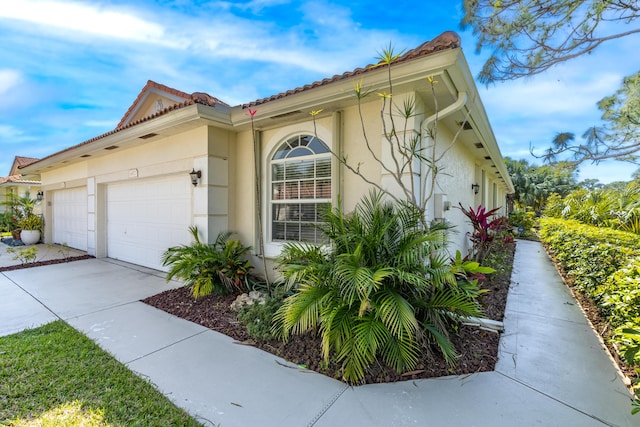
24	161
446	40
17	179
190	99
196	97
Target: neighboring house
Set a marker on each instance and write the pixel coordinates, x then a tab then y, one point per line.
16	184
127	194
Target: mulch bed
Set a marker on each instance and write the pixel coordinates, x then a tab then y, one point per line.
47	262
478	349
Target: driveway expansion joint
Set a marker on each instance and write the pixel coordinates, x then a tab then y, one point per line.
547	395
328	405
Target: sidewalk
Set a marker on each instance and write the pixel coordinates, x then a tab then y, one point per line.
552	369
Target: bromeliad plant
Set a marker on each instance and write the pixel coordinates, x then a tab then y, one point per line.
486	226
381	290
206	268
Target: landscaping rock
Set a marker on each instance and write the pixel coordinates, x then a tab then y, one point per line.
247	299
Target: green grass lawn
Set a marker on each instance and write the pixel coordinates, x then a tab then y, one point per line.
55	376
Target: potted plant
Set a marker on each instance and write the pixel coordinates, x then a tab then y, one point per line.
31	226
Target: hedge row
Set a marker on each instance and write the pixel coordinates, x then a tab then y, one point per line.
604	264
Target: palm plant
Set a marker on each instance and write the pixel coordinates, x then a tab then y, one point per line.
206	268
382	289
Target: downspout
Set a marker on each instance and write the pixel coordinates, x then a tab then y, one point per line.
456	106
482	323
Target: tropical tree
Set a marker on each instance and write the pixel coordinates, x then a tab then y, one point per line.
618	138
534	184
612	206
530	36
408	146
382	290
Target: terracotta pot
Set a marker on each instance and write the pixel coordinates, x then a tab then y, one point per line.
15	234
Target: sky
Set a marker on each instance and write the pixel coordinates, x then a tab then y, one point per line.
69	70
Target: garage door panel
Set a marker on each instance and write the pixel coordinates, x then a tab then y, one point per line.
69	209
146	217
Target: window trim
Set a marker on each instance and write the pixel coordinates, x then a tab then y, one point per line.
273	248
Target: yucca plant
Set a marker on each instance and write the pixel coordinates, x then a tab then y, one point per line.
381	290
206	268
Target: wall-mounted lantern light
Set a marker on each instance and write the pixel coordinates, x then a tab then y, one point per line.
475	188
40	196
195	175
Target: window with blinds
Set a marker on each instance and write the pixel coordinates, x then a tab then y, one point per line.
300	189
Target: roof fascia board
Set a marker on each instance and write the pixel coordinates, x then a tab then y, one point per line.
377	79
463	80
191	113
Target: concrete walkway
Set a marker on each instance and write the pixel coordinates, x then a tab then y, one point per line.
552	370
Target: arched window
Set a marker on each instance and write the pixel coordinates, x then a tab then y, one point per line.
300	188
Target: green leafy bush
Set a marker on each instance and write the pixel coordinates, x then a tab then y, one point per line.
207	268
382	289
588	254
30	222
523	219
258	318
621	294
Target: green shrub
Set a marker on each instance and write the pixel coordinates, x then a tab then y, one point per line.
588	254
526	220
621	294
30	222
258	318
382	289
207	268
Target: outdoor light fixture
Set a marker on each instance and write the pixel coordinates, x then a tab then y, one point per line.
40	196
194	174
475	188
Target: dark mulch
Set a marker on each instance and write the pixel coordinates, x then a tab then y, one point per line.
478	349
47	262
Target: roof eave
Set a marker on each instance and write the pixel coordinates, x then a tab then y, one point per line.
343	90
463	80
194	115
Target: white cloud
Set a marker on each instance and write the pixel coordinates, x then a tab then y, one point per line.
12	135
87	18
108	124
607	172
8	80
550	95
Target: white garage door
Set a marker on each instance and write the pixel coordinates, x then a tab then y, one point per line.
70	217
147	216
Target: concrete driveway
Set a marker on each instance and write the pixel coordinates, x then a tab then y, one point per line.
35	296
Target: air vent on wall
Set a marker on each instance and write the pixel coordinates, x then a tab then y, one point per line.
149	135
292	113
112	147
86	155
465	125
478	145
487	157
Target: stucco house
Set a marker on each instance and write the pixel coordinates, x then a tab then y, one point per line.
17	185
128	194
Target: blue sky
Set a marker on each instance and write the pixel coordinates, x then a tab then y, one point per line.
70	69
